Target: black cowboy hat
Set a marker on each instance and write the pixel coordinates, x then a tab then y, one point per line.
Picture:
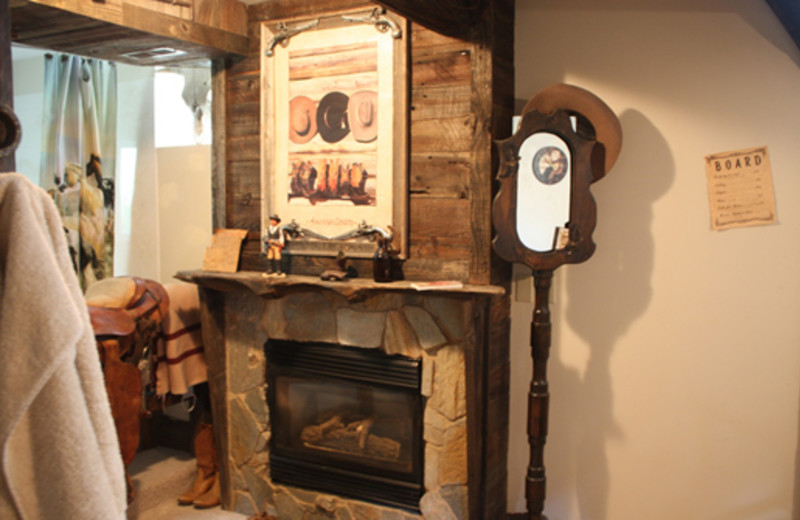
332	121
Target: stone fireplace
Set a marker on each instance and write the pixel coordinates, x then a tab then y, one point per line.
432	437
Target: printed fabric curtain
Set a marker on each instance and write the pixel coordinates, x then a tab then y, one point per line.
79	143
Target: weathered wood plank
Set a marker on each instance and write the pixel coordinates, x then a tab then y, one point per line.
181	9
278	9
440	175
244	195
243	89
173	27
493	501
251	258
7	160
244	213
426	269
212	312
455	18
220	124
124	33
244	119
244	148
438	102
110	11
423	38
434	135
229	15
249	66
438	228
245	177
440	68
480	182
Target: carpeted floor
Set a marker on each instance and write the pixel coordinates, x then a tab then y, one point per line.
161	474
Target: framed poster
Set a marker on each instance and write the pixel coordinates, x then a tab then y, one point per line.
333	131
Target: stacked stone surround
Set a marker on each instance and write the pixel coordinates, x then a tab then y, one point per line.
436	329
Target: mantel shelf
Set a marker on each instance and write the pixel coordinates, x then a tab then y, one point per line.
352	289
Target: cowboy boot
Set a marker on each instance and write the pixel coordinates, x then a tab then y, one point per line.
206	457
210	498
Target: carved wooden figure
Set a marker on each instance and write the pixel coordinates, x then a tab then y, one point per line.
544	216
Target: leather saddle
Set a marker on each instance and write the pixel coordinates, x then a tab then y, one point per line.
126	315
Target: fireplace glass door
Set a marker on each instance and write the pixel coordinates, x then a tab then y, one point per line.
345	420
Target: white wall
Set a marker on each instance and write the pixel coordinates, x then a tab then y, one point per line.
675	364
28	76
137	240
184	187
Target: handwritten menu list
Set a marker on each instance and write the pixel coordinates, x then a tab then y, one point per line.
740	188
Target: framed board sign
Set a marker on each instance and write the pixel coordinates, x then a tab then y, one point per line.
333	130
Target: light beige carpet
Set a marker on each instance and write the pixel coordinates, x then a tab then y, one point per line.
161	474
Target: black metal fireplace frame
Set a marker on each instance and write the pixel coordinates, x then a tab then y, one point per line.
326	362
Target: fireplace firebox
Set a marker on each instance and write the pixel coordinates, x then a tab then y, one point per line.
346	421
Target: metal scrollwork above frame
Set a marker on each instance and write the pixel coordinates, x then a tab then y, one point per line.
378	18
285	33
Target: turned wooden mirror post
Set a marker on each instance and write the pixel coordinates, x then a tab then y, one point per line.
544	216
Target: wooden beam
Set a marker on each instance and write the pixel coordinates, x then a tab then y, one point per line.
6	84
7	162
456	18
129	34
173	27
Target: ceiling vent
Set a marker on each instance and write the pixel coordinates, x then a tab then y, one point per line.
158	53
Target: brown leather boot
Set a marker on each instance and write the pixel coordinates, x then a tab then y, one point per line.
211	497
206	465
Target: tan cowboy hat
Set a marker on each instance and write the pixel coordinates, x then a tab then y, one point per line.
607	128
302	119
362	111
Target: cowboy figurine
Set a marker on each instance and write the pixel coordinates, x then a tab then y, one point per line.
274	242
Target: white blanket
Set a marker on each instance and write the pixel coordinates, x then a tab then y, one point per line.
59	454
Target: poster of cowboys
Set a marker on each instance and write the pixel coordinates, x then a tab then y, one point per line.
330	155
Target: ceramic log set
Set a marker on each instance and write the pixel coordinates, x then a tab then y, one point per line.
544	216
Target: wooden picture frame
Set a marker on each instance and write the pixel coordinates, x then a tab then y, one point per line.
334	131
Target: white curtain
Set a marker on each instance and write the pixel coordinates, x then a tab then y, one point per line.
79	143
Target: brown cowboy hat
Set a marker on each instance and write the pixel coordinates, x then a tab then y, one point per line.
362	113
607	128
302	119
332	121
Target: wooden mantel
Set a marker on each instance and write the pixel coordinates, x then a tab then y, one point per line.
353	289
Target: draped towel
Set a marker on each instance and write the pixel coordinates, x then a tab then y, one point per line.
59	454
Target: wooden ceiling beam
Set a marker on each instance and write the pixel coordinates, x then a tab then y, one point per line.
130	34
456	18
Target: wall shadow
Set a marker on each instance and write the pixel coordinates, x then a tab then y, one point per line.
605	295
